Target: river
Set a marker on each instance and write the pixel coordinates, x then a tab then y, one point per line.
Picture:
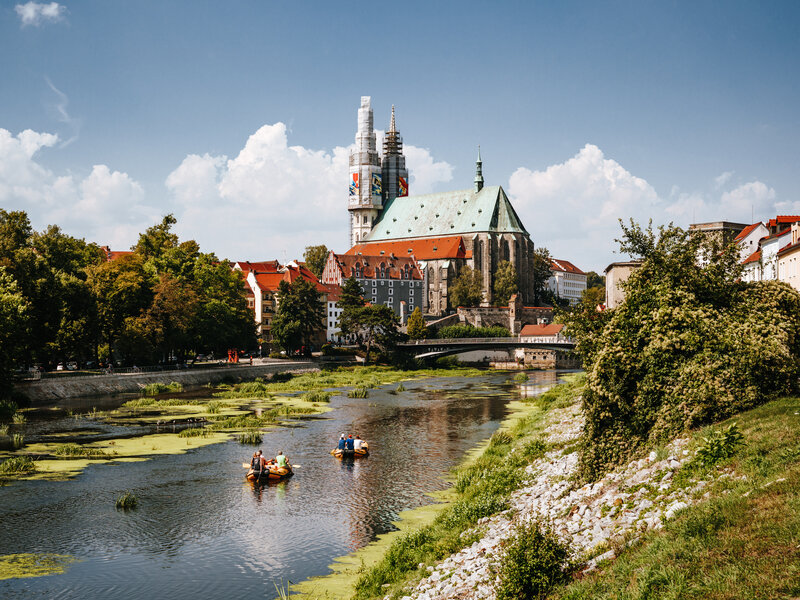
200	531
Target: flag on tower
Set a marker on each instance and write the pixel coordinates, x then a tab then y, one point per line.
354	184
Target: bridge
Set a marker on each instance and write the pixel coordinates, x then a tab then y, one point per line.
445	347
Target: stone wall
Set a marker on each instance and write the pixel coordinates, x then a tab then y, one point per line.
51	390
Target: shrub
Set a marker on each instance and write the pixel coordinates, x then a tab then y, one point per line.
466	512
358	392
17	465
468	331
127	501
251	438
719	445
326	349
532	561
276	355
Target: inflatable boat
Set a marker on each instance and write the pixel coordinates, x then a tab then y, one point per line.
271	473
363	451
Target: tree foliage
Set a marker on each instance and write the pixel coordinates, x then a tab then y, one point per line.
316	257
300	313
541	273
690	344
467	289
506	283
416	328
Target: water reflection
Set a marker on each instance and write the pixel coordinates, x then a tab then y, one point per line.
201	532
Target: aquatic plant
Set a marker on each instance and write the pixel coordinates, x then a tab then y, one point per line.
8	409
18	440
214	407
318	396
521	377
127	501
400	387
358	392
19	419
76	450
4	429
17	465
252	438
16	566
153	389
194	432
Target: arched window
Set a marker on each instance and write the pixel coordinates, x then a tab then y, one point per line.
383	270
358	270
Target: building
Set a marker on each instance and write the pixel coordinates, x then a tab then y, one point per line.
748	239
541	358
781	222
396	281
789	259
724	231
476	227
263	279
566	281
770	246
616	274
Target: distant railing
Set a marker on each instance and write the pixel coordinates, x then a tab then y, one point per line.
498	340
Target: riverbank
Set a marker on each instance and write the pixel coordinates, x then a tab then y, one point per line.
685	520
54	389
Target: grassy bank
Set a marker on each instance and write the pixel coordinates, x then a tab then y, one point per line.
743	541
481	488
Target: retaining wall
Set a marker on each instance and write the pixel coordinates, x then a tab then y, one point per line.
52	390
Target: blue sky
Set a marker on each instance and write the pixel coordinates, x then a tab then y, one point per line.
236	116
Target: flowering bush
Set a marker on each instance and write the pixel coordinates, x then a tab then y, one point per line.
690	345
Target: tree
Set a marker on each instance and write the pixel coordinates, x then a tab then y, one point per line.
542	263
316	257
690	345
416	328
13	325
593	280
467	289
300	313
506	283
350	301
378	324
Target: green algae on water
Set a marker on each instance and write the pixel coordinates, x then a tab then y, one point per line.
17	566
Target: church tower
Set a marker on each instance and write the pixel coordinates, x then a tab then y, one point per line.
395	174
366	191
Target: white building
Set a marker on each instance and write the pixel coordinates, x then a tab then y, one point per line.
566	280
748	239
770	246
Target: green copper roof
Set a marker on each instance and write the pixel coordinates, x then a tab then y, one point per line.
447	213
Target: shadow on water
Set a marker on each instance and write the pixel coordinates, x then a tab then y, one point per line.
202	531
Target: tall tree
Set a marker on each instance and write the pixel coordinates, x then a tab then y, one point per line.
300	313
416	328
506	283
467	289
316	257
13	326
378	324
593	280
541	273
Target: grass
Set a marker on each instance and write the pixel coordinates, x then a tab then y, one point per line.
317	396
744	542
127	501
358	392
18	419
194	432
153	389
400	387
482	488
76	450
4	429
214	407
252	438
17	465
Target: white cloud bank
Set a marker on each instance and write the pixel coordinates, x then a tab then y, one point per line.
35	13
273	199
106	206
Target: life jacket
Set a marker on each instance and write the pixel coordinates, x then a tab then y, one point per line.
281	460
255	464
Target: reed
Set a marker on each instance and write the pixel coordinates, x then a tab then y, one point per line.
214	407
4	429
521	377
318	396
400	387
76	450
17	465
128	501
18	419
358	392
251	438
153	389
194	432
18	441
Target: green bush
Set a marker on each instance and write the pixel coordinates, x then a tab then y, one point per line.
691	344
17	465
358	392
127	501
521	377
326	349
719	445
532	561
468	331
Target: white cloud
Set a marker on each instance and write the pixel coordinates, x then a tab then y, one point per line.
722	179
750	197
106	206
572	208
35	13
63	115
272	199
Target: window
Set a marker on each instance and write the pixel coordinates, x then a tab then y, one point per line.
374	284
391	291
389	302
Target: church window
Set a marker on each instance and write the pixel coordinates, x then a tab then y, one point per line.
365	218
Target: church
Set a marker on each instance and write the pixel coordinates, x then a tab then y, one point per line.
442	232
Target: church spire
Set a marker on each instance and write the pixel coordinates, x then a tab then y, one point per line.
392	127
479	172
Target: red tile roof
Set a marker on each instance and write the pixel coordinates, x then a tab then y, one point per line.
747	231
268	266
421	249
551	329
754	257
369	266
114	254
564	266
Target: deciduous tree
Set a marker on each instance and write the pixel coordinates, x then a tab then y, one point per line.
416	327
506	283
316	257
467	289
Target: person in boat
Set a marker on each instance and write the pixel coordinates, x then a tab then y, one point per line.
281	460
349	442
357	443
256	464
342	442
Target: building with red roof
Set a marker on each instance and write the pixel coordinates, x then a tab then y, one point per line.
566	280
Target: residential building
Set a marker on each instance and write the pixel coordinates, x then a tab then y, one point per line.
724	231
384	278
789	259
781	222
769	247
748	239
616	274
566	280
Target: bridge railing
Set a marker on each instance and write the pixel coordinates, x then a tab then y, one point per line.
471	341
